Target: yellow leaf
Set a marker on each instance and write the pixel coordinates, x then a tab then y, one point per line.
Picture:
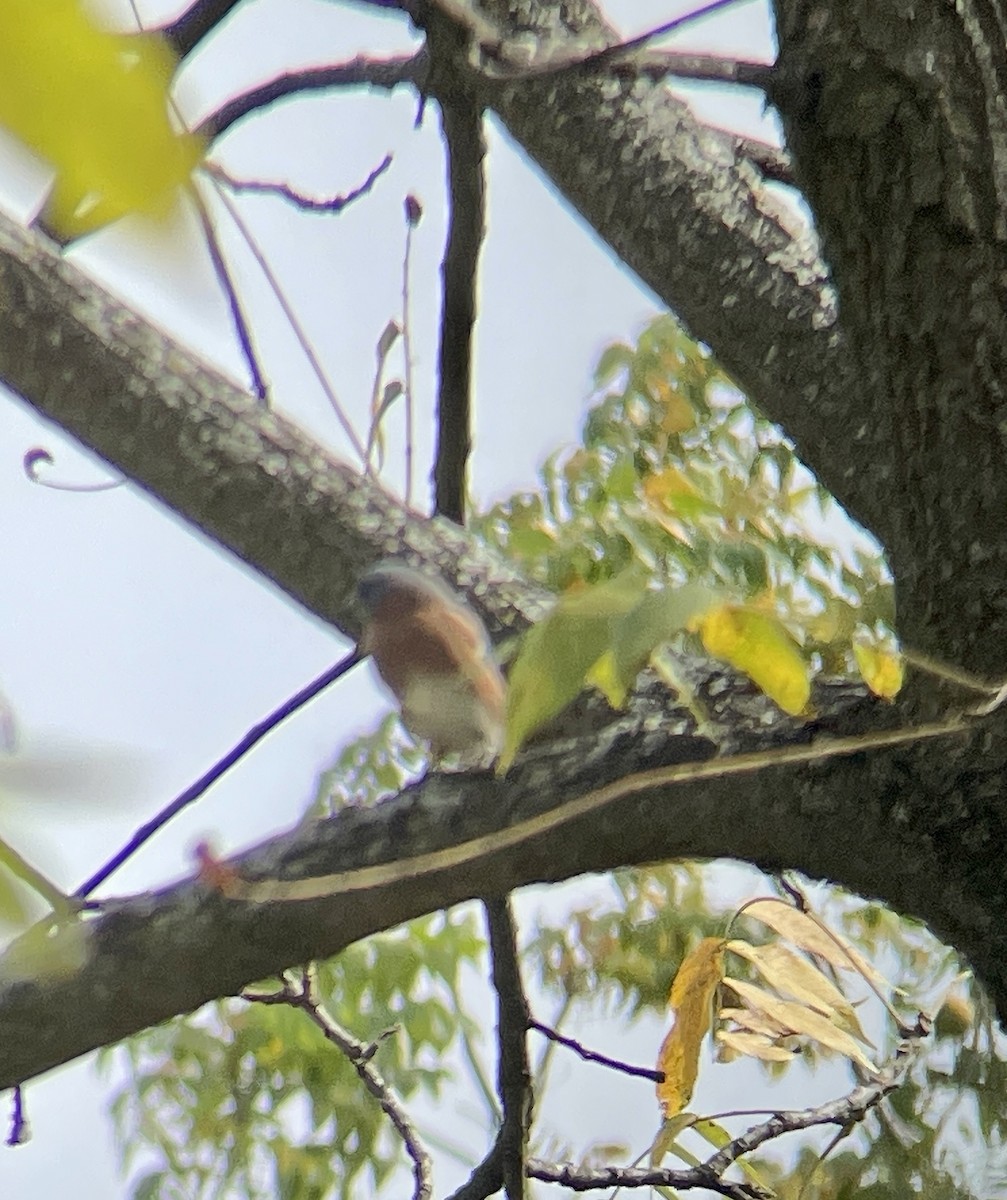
791	975
663	487
760	646
751	1045
95	105
679	416
605	677
800	1020
880	668
809	934
691	1000
753	1022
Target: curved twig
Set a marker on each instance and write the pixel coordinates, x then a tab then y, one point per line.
302	993
385	74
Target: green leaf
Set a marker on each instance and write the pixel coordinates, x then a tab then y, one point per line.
614	359
556	655
657	618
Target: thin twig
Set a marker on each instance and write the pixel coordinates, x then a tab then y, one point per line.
332	204
201	12
544	1065
476	1067
465	146
295	325
592	1056
303	994
621	50
219	768
20	1131
848	1110
839	1136
845	1112
198	20
513	1073
385	74
486	1179
242	329
414	214
710	68
515	1086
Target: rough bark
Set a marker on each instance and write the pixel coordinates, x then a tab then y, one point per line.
897	130
864	820
895	119
243	474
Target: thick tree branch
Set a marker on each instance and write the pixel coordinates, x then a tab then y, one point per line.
875	415
683	209
196	442
901	147
878	823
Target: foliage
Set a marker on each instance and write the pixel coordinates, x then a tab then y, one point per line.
224	1098
679	480
680	477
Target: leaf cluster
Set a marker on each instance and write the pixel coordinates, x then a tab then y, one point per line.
249	1099
679	476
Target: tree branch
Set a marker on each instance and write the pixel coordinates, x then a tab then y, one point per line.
207	450
465	147
845	1112
682	209
514	1076
694	244
587	1179
875	823
196	23
593	1056
385	74
217	771
302	993
660	64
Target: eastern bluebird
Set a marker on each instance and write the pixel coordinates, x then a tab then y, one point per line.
433	652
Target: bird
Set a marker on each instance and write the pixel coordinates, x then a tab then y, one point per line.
433	652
